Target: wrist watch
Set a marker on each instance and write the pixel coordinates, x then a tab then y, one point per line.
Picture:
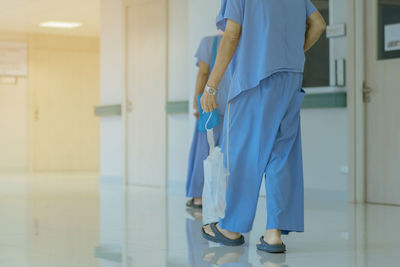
211	91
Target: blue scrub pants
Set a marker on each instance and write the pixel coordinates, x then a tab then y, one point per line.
199	151
262	136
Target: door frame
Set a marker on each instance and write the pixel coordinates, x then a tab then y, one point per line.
356	118
125	105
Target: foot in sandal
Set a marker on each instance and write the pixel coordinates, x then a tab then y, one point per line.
213	233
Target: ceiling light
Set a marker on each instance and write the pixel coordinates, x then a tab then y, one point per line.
60	24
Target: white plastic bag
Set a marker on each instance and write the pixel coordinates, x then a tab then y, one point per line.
214	189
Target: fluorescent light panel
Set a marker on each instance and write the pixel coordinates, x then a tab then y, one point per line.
60	24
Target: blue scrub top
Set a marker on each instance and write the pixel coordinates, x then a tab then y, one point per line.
205	54
272	40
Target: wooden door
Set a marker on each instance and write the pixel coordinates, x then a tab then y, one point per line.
65	85
147	90
382	116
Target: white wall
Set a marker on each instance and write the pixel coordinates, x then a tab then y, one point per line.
189	22
112	86
178	51
324	136
178	88
202	18
14	125
112	129
14	134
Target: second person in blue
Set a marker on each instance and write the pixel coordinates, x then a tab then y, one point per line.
199	150
266	41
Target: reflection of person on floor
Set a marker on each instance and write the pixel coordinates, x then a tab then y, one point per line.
196	244
266	40
272	260
200	149
200	254
228	256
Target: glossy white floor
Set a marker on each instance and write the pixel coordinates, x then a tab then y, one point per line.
56	220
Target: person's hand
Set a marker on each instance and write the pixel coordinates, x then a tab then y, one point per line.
196	114
208	102
195	107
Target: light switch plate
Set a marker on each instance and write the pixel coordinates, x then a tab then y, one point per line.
337	30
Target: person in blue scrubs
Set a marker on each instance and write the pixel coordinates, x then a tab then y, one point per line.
266	41
199	150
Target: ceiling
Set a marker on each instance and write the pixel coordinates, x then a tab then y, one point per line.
25	16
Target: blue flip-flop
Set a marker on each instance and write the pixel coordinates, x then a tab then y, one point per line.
220	238
264	246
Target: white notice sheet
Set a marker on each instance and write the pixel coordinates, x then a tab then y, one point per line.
392	37
13	59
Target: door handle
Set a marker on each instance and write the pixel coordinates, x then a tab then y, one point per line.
367	93
36	114
129	106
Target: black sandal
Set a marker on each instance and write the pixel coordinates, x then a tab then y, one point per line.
220	238
190	204
264	246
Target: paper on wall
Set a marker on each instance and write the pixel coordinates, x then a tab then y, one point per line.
13	59
392	37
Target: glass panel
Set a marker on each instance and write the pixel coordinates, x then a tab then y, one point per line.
316	69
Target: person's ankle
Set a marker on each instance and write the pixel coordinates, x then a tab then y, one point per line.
197	201
273	237
227	233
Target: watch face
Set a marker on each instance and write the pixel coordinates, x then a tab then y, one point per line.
211	91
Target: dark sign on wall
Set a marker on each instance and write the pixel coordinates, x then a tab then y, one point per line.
389	29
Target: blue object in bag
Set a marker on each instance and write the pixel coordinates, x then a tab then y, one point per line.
206	121
210	120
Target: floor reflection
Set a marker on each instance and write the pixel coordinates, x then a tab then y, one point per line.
196	244
80	220
202	253
227	256
272	260
110	251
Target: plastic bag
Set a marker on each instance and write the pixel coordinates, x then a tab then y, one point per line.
215	181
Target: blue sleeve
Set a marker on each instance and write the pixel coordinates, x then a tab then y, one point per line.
230	9
204	52
310	8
